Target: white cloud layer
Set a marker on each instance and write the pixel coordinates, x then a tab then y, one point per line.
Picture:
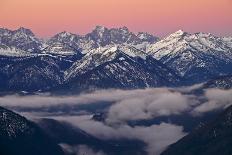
148	105
127	105
216	99
158	137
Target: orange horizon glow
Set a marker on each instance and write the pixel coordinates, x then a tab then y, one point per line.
159	17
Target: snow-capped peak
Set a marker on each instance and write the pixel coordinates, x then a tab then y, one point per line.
185	52
23	30
4	32
65	34
99	27
181	41
102	55
113	50
124	29
177	34
142	35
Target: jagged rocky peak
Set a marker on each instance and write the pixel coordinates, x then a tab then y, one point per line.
124	29
121	30
102	36
23	30
65	34
177	34
100	30
189	36
192	55
144	36
22	38
19	31
63	37
4	31
99	35
204	34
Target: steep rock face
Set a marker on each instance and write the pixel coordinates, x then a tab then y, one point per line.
211	139
104	36
21	38
20	136
64	43
196	57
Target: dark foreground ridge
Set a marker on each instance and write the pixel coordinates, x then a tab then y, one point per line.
18	136
211	139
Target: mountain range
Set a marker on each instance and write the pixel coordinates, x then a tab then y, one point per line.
110	58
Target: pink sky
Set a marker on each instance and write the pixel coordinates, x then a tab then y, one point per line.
159	17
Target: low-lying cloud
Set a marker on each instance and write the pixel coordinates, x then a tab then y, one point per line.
149	105
157	137
126	105
123	106
216	99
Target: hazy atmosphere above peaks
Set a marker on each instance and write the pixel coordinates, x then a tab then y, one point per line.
159	17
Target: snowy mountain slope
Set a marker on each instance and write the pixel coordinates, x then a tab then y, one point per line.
13	52
99	56
64	43
59	48
29	73
228	40
192	55
115	67
91	60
